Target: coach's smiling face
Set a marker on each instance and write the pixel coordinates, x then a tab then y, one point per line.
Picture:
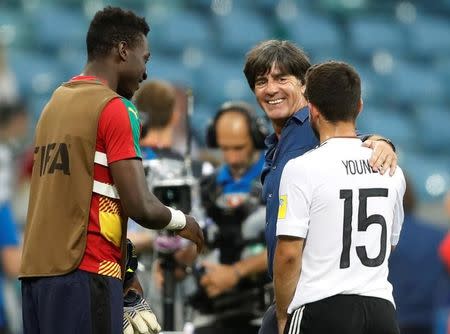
279	94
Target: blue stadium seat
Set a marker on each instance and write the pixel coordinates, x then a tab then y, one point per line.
180	29
65	3
60	27
37	74
221	79
414	83
15	28
134	5
240	30
369	34
224	5
390	123
202	115
321	55
429	174
72	61
342	7
315	34
441	67
36	104
445	4
433	125
170	69
375	87
428	36
263	5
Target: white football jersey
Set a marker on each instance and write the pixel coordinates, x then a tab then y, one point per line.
349	215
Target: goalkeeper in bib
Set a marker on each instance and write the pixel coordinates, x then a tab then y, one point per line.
338	221
87	179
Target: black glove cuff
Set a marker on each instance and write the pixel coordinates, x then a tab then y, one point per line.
131	262
132	298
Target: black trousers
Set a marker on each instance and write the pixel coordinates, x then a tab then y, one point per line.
344	314
341	314
77	303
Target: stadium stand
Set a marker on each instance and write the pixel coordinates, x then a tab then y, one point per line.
401	50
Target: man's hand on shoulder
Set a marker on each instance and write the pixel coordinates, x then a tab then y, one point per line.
383	156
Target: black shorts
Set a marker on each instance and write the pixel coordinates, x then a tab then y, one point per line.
79	302
344	314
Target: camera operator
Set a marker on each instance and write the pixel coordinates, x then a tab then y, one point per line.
229	288
173	181
156	102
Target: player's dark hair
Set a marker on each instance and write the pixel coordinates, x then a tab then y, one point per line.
111	26
289	58
335	89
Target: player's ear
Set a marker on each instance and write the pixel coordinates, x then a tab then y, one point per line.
360	105
302	88
313	111
122	48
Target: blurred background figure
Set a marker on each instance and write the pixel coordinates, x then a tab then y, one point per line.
231	280
9	256
160	106
8	85
420	279
156	101
444	250
443	317
13	121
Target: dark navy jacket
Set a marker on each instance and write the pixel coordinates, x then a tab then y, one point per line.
297	137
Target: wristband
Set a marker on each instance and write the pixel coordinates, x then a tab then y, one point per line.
387	141
178	220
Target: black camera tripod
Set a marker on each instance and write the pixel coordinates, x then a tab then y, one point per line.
166	246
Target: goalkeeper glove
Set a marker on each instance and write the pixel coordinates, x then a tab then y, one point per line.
138	317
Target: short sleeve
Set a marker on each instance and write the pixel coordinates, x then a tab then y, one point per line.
398	211
119	128
295	201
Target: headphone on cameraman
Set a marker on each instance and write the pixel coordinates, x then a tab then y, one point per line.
256	125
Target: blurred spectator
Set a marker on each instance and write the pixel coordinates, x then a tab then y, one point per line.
419	278
156	101
444	249
160	105
230	288
12	119
9	255
8	85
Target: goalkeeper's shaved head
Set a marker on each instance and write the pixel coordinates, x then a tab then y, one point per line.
111	26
